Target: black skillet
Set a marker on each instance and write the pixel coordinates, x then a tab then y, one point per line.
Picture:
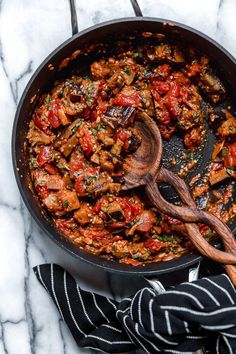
42	79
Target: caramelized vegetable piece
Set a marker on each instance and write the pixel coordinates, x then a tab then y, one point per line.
118	116
68	199
83	214
228	127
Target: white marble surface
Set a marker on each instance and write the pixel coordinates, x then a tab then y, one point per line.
29	30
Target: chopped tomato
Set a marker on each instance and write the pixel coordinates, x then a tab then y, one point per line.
171	100
86	140
155	94
80	187
77	162
130	209
42	191
192	138
166	132
123	136
174	90
67	226
42	123
181	79
45	155
128	97
117	225
147	219
161	86
51	169
136	206
204	229
194	69
163	71
164	118
153	246
171	220
76	165
53	116
230	158
100	108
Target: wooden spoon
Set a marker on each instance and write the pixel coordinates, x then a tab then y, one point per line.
143	169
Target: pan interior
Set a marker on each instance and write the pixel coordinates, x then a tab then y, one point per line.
174	147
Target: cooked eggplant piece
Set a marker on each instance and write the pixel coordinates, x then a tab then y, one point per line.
54	182
228	127
118	179
63	117
117	147
72	90
115	82
104	137
82	215
67	132
212	86
116	116
68	199
134	143
37	137
100	185
67	148
114	212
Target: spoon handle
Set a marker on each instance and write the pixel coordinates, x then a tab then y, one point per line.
191	214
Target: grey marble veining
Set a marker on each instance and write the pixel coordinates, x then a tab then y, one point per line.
29	31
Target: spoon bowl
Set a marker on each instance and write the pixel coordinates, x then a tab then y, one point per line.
143	165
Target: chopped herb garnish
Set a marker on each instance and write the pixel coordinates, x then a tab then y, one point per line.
224	152
93	131
73	130
65	204
127	70
47	99
144	101
34	163
232	129
163	238
191	155
196	117
91	179
230	170
89	103
137	55
208	234
101	126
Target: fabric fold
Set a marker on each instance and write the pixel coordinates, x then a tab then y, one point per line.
181	320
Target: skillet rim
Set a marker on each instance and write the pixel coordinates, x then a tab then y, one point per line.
108	265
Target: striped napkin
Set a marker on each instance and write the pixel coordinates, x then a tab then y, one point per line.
191	316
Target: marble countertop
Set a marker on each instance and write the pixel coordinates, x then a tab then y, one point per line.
29	30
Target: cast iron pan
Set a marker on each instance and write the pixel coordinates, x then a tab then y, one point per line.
225	65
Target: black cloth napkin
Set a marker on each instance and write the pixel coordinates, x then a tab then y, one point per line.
181	320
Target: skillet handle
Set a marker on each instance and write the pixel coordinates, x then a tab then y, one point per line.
192	214
191	275
74	18
73	15
136	8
